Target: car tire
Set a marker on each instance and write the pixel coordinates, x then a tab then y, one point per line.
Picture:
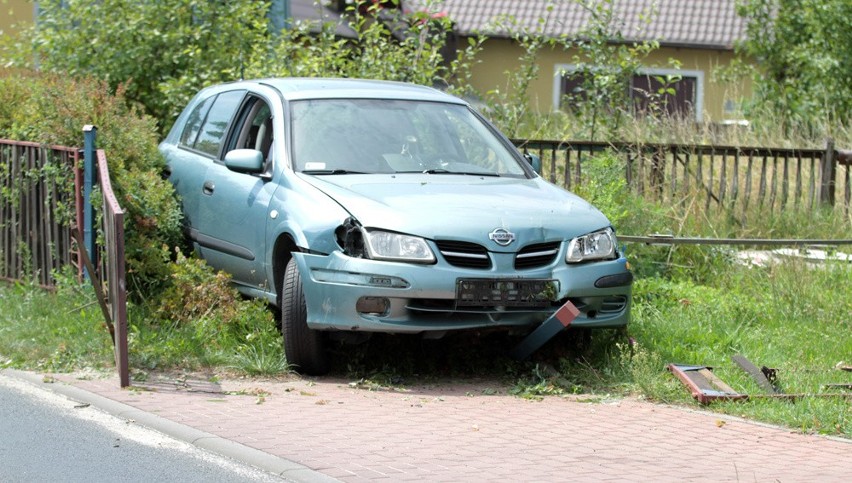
304	348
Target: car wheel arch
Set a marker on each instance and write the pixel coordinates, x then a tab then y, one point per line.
281	255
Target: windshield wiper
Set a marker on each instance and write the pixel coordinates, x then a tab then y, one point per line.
466	173
331	171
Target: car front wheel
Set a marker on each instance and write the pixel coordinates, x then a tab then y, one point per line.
303	347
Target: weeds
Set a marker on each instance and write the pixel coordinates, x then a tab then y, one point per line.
261	360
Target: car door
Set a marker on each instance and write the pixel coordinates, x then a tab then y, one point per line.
234	207
187	167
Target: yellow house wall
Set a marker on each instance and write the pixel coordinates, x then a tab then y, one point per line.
499	56
15	12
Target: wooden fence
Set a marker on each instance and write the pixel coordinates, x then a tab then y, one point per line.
741	180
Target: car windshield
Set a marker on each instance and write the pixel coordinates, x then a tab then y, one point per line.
347	136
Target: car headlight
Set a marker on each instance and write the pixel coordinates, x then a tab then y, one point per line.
594	246
386	245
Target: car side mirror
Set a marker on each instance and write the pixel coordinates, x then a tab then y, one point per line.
534	161
244	160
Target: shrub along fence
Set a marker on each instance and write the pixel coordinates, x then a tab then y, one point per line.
742	180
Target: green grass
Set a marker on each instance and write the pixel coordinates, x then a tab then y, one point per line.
65	330
793	317
51	331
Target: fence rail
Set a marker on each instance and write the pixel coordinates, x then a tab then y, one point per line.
113	269
741	180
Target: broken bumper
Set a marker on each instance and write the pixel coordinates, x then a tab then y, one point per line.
344	293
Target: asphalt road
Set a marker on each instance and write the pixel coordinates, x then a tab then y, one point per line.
47	437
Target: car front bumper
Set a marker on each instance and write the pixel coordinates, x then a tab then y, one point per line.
415	298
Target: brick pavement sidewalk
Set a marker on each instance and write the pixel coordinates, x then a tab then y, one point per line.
460	432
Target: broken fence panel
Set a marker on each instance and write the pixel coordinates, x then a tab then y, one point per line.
703	384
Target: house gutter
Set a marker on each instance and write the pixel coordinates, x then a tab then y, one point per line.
672	45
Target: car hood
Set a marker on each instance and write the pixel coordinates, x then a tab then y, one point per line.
460	207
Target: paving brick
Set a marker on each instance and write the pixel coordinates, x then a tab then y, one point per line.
442	433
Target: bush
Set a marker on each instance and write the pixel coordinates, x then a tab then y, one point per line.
52	109
161	52
197	291
191	313
214	325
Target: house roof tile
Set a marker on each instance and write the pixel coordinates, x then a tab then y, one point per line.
682	23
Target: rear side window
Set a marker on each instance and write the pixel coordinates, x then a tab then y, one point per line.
193	123
208	138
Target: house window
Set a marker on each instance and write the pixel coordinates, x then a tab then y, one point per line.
648	88
673	95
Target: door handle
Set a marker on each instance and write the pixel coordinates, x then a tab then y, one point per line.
208	188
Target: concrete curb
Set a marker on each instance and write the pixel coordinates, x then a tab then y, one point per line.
285	468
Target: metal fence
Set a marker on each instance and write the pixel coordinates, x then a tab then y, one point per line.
40	199
42	221
741	180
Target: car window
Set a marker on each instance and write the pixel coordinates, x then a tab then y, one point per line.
216	124
255	128
193	123
480	146
393	136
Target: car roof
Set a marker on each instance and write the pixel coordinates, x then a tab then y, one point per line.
293	88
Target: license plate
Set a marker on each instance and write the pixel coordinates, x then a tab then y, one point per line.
479	292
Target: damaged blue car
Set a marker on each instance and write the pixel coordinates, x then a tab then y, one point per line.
362	206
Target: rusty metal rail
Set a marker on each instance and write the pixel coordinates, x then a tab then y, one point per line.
672	240
113	269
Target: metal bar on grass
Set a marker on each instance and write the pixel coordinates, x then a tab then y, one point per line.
672	240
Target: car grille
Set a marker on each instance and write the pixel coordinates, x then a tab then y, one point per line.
464	254
538	255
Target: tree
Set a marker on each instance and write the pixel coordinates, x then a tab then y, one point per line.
803	50
389	44
164	51
605	64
